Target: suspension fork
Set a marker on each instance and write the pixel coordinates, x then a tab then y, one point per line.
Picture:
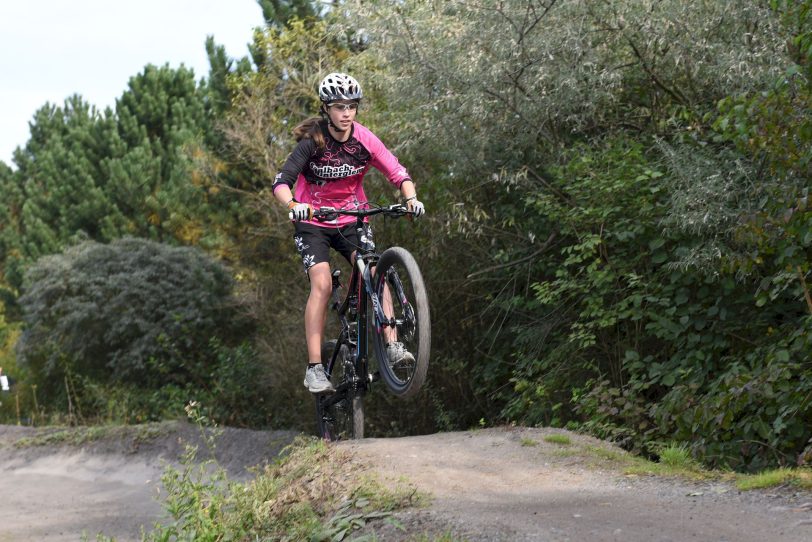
366	293
381	320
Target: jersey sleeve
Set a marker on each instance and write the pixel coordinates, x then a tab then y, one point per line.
384	161
295	164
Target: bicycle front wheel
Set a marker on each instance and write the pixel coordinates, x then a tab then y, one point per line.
339	416
403	342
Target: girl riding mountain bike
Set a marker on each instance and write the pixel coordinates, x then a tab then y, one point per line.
327	169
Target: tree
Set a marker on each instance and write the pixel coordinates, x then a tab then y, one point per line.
90	175
281	12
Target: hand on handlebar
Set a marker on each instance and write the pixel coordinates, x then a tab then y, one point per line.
415	207
300	211
411	209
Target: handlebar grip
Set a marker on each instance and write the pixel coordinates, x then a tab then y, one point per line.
313	213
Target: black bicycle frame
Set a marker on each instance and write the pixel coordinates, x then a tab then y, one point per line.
359	291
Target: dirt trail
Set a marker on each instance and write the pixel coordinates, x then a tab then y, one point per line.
489	485
58	492
512	485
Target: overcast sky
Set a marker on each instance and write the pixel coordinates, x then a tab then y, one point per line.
51	49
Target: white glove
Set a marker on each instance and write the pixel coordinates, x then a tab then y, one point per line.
416	207
300	211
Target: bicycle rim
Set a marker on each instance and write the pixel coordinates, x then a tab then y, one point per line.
400	287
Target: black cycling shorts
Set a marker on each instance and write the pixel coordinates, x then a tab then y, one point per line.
314	242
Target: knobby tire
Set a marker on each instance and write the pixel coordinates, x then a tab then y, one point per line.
396	268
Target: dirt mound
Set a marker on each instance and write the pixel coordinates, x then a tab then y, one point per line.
520	484
59	483
235	449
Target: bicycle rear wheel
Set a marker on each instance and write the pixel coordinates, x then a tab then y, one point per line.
339	416
400	288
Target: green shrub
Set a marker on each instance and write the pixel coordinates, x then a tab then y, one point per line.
134	330
754	414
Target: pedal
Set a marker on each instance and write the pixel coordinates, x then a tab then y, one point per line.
374	377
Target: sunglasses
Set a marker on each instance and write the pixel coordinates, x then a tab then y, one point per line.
344	107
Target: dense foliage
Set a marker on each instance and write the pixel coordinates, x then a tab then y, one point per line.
144	318
637	240
618	233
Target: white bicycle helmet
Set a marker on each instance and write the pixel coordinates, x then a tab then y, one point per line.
339	86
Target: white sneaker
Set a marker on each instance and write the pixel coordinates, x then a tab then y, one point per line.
316	380
398	355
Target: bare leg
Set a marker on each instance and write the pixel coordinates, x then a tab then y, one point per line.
390	333
316	309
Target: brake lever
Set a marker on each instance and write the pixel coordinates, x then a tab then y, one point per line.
398	208
326	213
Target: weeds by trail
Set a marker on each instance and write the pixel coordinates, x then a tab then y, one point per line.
800	478
311	492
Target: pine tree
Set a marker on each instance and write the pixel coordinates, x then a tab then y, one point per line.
162	119
58	197
278	13
90	175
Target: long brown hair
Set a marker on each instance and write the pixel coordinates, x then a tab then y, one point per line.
310	129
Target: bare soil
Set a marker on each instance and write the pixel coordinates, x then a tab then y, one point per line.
64	491
505	484
510	484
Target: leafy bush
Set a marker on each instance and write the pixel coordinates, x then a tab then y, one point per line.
641	226
146	319
755	413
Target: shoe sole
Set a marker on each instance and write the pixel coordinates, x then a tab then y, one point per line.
325	391
319	391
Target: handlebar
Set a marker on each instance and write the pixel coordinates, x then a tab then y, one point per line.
330	213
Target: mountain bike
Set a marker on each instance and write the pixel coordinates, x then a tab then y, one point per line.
386	301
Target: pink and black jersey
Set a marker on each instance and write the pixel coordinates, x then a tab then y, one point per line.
333	176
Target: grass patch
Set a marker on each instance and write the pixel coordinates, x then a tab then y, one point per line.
70	436
79	436
528	442
609	454
558	438
678	457
677	463
311	493
674	461
774	478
